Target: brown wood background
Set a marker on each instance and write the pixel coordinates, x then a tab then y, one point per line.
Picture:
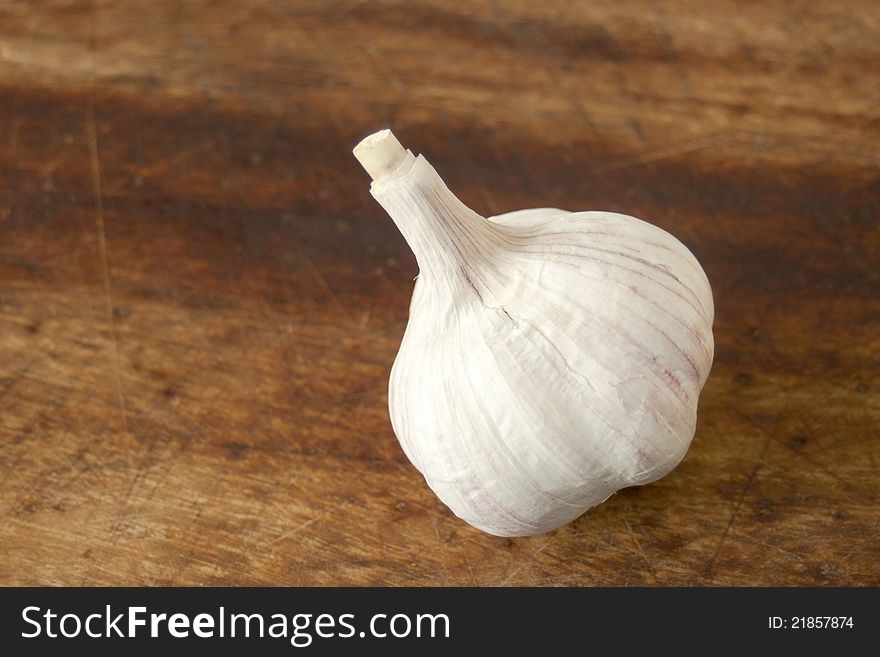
200	302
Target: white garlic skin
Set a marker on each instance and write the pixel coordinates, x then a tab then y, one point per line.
551	358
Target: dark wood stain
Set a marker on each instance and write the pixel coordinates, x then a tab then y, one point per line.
200	302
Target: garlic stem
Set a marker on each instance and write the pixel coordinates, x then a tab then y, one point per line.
451	242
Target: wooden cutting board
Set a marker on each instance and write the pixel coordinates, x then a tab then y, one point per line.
200	302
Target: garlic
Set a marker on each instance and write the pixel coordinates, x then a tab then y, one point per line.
551	358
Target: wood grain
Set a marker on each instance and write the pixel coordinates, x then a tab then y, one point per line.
200	302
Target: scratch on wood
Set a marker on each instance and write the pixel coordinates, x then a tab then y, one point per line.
95	165
159	481
308	523
182	157
710	566
674	150
642	554
319	278
467	562
527	562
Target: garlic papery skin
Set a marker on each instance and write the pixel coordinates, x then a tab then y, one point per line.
551	358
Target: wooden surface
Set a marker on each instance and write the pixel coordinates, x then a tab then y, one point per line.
200	302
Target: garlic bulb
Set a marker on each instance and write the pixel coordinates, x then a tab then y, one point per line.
551	358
